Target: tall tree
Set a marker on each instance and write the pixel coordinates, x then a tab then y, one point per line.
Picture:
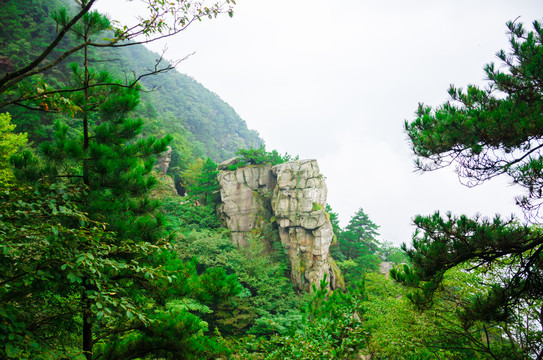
486	133
206	188
103	157
360	235
359	245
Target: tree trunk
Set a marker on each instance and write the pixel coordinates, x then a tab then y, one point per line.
87	323
85	301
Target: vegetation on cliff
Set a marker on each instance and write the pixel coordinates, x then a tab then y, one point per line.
258	156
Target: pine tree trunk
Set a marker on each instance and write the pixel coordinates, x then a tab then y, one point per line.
85	301
87	324
85	115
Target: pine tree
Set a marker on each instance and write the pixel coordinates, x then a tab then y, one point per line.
358	245
359	236
486	133
100	254
103	154
206	189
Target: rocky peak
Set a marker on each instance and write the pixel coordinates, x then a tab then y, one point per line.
290	197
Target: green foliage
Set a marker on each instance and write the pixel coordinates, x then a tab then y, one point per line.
183	214
50	253
206	188
113	156
202	124
460	336
175	333
358	247
496	127
360	233
121	285
53	256
398	330
266	293
212	128
486	133
335	250
10	143
391	253
260	156
445	242
329	327
26	28
316	206
86	271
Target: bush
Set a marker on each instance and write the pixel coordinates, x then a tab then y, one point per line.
260	156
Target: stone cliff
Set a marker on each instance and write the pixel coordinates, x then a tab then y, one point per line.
290	198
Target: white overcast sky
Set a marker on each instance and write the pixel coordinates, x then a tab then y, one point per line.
335	81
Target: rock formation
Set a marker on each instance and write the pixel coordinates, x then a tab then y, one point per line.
291	197
163	161
245	195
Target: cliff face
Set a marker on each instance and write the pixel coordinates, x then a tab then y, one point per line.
245	195
290	197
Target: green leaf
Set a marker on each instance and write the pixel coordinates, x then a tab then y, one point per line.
13	351
72	277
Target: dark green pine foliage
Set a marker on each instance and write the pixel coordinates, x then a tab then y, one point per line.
51	252
485	133
255	156
86	271
27	28
358	242
206	189
175	304
103	147
101	152
360	235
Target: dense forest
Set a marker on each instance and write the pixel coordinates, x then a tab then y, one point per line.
102	258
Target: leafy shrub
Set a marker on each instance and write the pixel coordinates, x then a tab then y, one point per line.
260	156
185	214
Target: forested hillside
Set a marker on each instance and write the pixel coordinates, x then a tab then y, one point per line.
100	258
180	100
202	124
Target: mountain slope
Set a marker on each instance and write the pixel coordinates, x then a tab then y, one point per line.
205	125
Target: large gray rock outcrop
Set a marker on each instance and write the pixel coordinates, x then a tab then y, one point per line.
244	196
291	197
